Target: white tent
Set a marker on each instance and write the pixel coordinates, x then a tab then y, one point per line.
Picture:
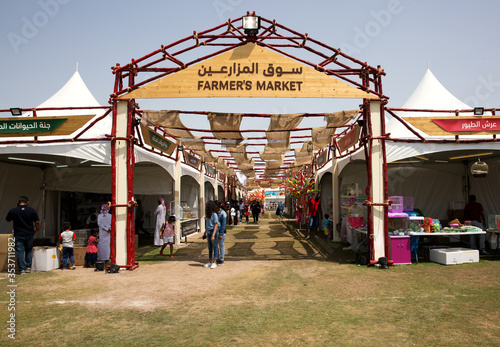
71	166
434	180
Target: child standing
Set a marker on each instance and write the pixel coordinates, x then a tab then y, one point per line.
167	233
67	238
91	252
326	226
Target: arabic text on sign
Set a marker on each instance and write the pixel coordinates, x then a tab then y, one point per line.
237	70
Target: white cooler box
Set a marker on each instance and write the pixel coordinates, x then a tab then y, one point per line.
469	255
45	259
454	256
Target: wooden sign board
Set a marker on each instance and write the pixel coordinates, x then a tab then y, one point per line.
192	160
321	160
42	126
456	125
210	171
248	71
349	139
153	139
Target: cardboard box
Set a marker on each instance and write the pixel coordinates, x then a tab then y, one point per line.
78	253
447	256
4	250
45	258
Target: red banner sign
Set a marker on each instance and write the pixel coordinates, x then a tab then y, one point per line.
349	139
469	124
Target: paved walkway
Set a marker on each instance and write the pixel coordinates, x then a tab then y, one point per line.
269	239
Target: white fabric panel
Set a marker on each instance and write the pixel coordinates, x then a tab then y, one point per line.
325	185
209	191
189	192
86	180
187	170
487	189
141	155
96	151
325	169
152	180
402	150
431	189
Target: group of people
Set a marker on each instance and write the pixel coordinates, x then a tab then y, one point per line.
26	224
215	233
99	242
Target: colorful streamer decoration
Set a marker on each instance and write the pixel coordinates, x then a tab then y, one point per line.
299	185
257	195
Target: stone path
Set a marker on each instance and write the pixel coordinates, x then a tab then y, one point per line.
269	239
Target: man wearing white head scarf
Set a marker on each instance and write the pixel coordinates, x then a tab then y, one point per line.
160	214
104	222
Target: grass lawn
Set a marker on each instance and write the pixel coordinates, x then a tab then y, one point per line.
302	300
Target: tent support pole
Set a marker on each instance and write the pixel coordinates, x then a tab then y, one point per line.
122	185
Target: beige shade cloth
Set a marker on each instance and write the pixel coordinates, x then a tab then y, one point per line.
195	144
271	172
170	121
303	153
268	149
271	156
273	164
248	165
226	127
295	168
208	157
338	119
222	166
278	133
321	137
239	154
299	162
248	173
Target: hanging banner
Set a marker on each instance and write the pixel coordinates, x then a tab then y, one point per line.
42	126
321	160
456	125
153	139
222	176
210	171
248	71
469	124
349	139
192	160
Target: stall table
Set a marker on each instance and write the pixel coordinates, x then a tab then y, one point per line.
419	234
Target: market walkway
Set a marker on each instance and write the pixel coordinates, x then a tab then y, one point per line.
269	239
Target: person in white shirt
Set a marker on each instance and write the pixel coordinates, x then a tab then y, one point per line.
67	239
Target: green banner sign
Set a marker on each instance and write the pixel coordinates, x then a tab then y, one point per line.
29	125
160	142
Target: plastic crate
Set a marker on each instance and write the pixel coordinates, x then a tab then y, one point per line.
408	203
397	204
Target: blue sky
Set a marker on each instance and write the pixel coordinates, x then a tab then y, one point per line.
41	42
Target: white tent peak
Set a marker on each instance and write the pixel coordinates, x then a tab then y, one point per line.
431	94
73	94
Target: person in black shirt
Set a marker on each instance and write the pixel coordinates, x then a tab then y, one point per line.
26	224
